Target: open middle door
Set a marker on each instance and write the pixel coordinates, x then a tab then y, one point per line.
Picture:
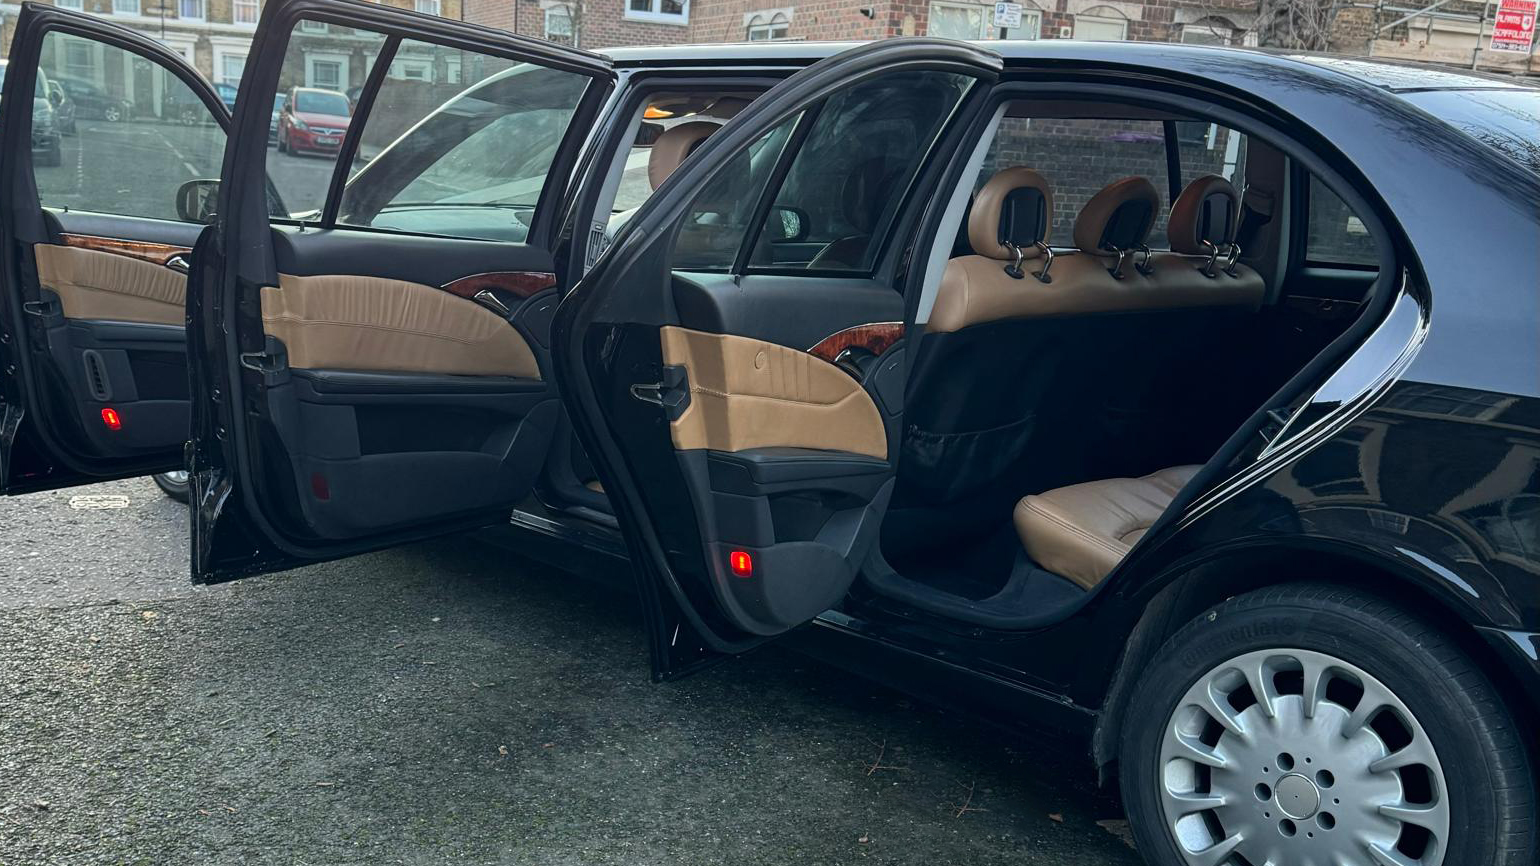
741	401
372	367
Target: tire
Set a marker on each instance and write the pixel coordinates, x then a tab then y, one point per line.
113	113
54	156
174	484
1466	759
191	117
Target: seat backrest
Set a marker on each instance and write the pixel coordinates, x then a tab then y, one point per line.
671	147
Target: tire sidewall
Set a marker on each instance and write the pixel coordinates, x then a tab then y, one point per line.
1387	654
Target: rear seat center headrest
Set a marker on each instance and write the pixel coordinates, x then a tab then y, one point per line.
1207	210
1117	219
1014	207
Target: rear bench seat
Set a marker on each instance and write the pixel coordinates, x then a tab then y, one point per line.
1082	531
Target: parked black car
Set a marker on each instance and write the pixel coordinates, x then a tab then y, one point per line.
44	141
1091	386
92	101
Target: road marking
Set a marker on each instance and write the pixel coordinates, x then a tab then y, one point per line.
97	501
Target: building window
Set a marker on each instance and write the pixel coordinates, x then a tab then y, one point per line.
1095	28
69	4
231	68
429	7
407	69
326	74
558	25
245	11
78	59
973	21
190	10
663	11
452	70
125	7
765	27
308	26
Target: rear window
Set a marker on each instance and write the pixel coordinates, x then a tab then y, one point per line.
322	103
1506	120
1336	235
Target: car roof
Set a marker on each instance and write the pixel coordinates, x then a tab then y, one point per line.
1392	76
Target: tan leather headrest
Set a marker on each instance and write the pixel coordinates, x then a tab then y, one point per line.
1207	210
1117	218
673	145
1015	205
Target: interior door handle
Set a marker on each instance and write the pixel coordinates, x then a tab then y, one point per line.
180	263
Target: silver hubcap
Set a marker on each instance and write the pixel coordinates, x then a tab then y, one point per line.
177	477
1296	758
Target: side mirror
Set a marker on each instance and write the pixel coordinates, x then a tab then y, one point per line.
196	200
56	97
787	224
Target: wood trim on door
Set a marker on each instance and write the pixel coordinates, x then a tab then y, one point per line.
148	251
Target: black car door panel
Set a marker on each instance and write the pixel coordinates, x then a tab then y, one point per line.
96	250
741	409
385	350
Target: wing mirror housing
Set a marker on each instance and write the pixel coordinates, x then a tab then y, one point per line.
196	200
788	224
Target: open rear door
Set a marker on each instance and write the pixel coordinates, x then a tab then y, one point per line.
741	401
372	367
100	128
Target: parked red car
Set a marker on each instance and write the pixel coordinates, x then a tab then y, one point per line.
313	120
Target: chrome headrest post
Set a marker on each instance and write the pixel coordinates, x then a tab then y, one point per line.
1235	259
1117	269
1013	270
1042	275
1208	267
1143	265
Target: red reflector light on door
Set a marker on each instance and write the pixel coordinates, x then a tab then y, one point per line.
741	563
111	419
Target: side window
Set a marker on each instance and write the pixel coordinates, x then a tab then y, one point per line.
1336	236
719	217
116	133
848	178
324	68
467	158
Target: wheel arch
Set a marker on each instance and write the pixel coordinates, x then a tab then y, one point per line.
1183	593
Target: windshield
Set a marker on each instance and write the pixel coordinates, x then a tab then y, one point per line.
1506	120
321	102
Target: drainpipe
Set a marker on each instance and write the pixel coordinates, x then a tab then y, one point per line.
1481	31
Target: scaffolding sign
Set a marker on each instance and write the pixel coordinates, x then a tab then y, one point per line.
1514	27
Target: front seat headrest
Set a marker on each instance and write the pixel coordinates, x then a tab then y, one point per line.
864	194
673	145
1016	207
1118	218
1207	210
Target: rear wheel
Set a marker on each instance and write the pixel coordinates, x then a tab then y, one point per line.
1309	724
174	484
113	113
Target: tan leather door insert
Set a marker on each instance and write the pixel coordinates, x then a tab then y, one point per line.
92	284
747	393
375	324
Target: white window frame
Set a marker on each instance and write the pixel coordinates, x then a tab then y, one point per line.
429	7
219	69
656	15
254	7
342	70
452	70
1226	35
558	11
181	10
1102	19
126	7
768	21
77	5
310	25
401	62
89	71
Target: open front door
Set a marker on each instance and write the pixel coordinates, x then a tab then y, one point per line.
100	129
372	367
742	401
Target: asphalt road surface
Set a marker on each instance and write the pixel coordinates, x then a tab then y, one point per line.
448	703
134	168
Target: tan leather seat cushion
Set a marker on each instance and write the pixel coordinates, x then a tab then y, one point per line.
374	324
1083	531
92	284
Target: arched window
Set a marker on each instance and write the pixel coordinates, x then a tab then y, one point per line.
766	26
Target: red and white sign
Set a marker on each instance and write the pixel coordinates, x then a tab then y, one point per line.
1514	28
